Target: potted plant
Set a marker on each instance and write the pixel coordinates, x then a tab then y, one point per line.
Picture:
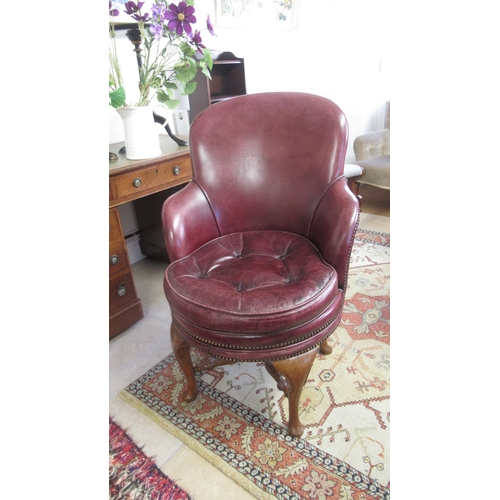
170	55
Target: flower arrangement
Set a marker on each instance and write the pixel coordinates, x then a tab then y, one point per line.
168	60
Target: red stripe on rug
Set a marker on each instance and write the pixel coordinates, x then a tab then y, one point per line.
132	474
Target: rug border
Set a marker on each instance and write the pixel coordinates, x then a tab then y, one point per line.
378	233
192	443
371	231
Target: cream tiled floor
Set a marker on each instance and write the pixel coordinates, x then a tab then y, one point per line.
147	342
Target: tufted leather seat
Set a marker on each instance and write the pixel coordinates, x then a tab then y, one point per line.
264	287
260	239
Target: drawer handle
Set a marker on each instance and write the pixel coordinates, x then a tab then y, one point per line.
122	290
113	260
177	170
137	182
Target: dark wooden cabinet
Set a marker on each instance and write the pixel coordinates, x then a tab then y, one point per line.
228	80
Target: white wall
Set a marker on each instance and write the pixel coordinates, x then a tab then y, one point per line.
338	50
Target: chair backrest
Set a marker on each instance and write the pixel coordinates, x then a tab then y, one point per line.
265	160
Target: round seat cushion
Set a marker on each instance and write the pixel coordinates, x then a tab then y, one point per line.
241	287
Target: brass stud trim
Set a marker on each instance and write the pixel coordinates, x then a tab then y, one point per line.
260	348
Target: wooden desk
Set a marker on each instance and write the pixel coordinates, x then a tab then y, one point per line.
128	181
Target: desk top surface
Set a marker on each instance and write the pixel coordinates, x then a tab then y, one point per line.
170	150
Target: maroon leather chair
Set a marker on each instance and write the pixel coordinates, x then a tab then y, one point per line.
260	239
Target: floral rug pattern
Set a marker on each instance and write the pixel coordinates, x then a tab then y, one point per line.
239	419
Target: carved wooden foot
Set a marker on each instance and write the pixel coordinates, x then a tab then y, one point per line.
291	375
325	347
182	355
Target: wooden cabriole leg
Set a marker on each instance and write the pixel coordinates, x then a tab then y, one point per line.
291	375
183	356
325	347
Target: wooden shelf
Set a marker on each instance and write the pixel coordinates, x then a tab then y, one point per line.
235	61
228	81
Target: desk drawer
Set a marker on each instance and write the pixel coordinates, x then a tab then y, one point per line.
151	179
117	257
121	292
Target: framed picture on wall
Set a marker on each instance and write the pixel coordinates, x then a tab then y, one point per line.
280	14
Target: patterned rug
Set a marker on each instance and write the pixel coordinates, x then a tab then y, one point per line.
132	475
239	420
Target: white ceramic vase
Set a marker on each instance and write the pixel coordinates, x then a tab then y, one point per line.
142	139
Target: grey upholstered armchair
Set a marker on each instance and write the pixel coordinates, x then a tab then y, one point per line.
372	152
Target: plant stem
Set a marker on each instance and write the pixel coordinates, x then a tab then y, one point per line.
114	56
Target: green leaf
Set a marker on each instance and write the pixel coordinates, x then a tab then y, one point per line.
188	88
187	49
207	57
165	99
170	85
206	72
117	97
186	71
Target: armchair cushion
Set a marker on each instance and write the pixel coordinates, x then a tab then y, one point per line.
249	285
377	171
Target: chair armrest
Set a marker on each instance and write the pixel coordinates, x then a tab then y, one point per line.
188	221
372	144
353	170
333	227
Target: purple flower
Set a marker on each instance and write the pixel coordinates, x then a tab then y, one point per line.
113	12
156	30
134	10
210	27
180	18
157	11
196	39
131	7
